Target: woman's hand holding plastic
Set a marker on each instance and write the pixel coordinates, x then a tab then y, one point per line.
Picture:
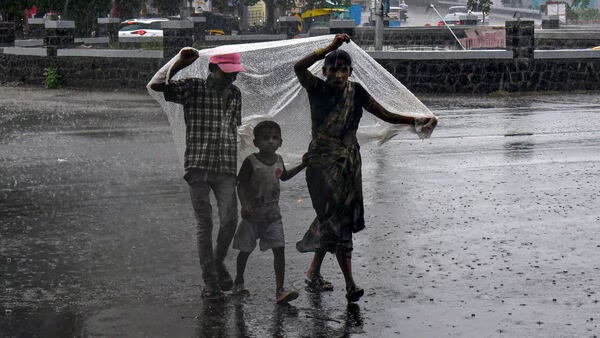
338	40
424	126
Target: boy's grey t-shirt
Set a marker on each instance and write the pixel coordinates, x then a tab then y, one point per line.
264	187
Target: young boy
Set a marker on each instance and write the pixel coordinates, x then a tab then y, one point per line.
258	191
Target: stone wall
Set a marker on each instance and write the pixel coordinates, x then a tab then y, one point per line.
481	76
80	72
409	37
419	74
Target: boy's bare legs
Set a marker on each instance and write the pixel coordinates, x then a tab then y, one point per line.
279	265
281	294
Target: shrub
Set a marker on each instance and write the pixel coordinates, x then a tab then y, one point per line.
51	78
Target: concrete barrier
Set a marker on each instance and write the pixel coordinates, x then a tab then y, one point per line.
112	53
519	67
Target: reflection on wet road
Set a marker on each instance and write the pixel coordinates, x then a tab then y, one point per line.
488	229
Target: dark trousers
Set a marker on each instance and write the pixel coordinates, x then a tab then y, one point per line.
223	186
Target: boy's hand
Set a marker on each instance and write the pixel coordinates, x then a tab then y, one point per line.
247	211
339	39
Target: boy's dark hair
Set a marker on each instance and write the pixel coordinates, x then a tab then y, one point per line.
263	126
332	57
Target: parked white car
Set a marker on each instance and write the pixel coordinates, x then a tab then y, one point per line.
141	28
458	13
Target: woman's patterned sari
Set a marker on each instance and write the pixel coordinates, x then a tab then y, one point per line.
333	176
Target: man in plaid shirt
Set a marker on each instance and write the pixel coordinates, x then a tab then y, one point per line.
212	113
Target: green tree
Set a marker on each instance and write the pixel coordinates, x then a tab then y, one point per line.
11	10
581	11
85	14
483	6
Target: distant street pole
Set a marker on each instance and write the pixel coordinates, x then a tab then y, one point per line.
379	25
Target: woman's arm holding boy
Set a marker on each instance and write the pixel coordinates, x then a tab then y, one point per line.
287	174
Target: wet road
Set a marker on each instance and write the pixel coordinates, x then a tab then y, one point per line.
489	229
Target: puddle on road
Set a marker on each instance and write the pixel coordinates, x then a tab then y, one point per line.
522	149
41	321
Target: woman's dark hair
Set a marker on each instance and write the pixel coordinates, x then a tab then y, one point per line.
263	126
332	57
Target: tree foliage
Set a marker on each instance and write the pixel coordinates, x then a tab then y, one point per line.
581	11
11	10
167	7
327	3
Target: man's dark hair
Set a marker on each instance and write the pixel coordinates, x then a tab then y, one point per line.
213	67
332	57
263	126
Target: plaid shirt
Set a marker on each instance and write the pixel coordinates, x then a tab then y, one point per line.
210	124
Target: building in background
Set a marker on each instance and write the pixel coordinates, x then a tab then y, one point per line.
256	15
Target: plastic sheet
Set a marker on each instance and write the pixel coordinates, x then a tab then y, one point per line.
270	90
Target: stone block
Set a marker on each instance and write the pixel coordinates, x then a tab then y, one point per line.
319	30
520	38
35	28
108	27
176	24
176	35
7	33
550	24
59	24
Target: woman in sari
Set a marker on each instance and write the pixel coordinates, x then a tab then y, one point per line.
333	160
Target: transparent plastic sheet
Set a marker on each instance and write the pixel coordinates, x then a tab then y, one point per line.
270	90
